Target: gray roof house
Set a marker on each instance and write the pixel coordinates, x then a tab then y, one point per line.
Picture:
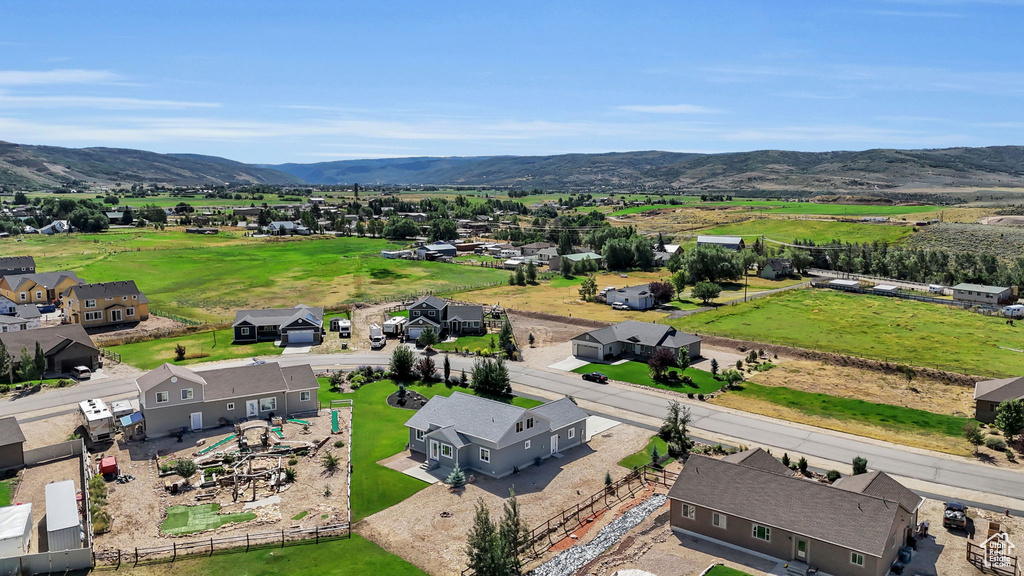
299	325
727	242
853	527
17	265
491	437
64	346
555	262
988	394
444	318
982	294
636	297
173	398
630	338
633	339
775	268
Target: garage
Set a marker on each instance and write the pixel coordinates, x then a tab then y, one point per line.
586	351
300	337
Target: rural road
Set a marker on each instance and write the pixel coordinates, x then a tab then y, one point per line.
777	434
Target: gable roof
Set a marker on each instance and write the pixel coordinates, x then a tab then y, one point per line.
645	333
638	290
758	458
883	486
44	279
560	413
465	313
432	301
999	390
227	383
980	288
164	372
778	263
728	240
280	316
538	245
848	519
52	339
10	432
17	262
439	246
101	290
471	415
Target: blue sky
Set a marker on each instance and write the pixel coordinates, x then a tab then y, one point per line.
312	81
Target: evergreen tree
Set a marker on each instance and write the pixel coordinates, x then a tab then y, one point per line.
456	478
483	545
5	363
39	361
531	272
520	276
714	367
447	369
564	243
567	268
505	339
860	465
513	535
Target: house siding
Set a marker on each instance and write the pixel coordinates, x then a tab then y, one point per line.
985	411
981	297
12	456
76	354
160	420
75	310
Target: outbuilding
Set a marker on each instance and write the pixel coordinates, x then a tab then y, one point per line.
15	530
844	284
886	290
63	527
12	442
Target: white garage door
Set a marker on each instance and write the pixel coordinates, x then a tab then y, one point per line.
300	337
584	351
413	333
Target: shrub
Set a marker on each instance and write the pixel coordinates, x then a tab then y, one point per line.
860	465
229	458
833	475
785	459
330	462
185	468
179	353
339	444
802	465
289	474
457	477
997	444
293	461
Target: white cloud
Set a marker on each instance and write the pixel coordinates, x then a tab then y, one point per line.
670	109
99	102
42	77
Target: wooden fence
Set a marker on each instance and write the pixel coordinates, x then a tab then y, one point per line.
1007	566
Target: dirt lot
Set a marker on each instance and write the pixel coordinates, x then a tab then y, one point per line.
31	488
140	506
542	491
152	324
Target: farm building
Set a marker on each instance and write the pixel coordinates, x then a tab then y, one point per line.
727	242
299	325
633	339
555	262
989	393
396	254
436	250
636	297
775	268
63	527
886	289
15	530
965	292
12	443
844	284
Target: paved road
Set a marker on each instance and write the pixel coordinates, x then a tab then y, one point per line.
781	435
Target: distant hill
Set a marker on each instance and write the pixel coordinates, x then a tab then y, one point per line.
765	169
32	167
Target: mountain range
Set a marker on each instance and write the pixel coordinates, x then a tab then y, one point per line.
37	167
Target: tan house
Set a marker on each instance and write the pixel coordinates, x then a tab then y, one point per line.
749	500
42	288
105	304
988	394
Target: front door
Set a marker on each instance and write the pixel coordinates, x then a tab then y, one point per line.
554	443
252	408
801	549
197	421
435	450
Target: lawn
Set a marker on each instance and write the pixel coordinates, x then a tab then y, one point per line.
644	456
814	230
207	278
351	557
637	373
379	431
5	492
722	570
199	347
638	209
192	519
890	329
474	343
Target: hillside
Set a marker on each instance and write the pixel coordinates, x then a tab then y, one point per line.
33	167
767	169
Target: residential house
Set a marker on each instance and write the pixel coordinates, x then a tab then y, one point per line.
105	304
17	265
965	292
14	323
673	248
435	250
41	288
633	339
490	437
173	399
12	442
64	347
251	212
988	394
8	306
854	527
555	263
727	242
636	297
534	247
775	268
56	227
444	318
546	254
299	325
282	228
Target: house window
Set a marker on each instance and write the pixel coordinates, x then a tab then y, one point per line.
761	533
430	313
856	559
485	455
526	445
163	397
115	315
519	427
135	296
718	520
304	396
90	316
689	511
245	331
186	393
90	303
268	404
446	450
572	433
529	423
24	296
419	434
124	297
39	295
231	406
129	311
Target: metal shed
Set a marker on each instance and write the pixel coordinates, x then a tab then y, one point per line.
844	284
63	527
886	289
15	530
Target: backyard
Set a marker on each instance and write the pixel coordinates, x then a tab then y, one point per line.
890	329
205	346
638	373
192	519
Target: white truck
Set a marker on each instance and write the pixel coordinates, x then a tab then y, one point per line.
377	337
98	419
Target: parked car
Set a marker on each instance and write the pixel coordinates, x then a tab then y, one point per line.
81	373
595	377
955	516
620	306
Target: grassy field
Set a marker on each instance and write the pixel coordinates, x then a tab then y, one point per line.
352	557
814	230
644	456
809	208
637	373
638	209
206	278
379	431
901	331
199	518
199	347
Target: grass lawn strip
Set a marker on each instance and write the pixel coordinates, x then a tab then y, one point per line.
721	570
192	519
644	456
199	347
5	493
878	327
637	373
474	343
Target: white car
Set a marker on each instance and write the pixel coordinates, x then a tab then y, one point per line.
619	306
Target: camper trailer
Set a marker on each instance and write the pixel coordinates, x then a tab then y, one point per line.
395	327
98	419
343	326
377	337
1014	311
